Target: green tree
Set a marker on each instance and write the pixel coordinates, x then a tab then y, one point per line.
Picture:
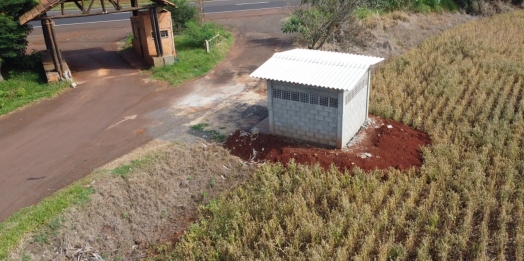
181	15
13	36
316	20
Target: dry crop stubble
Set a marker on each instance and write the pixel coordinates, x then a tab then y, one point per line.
465	88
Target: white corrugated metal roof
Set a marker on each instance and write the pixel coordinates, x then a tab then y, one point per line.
316	68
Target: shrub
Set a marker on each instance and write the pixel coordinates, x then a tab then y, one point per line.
181	15
422	6
197	35
27	62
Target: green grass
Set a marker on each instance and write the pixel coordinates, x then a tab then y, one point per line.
200	126
363	13
44	214
193	62
125	170
214	134
23	88
371	7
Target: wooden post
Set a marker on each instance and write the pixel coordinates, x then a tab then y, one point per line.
80	7
202	17
134	3
103	6
47	24
45	32
57	50
90	5
156	31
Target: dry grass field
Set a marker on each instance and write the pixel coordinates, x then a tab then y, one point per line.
465	88
136	205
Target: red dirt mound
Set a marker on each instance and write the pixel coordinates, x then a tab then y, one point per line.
380	145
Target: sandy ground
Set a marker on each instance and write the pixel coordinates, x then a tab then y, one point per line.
124	217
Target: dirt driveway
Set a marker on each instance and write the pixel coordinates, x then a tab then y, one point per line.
47	146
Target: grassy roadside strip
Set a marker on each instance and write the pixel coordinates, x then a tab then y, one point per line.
23	88
38	217
30	219
194	62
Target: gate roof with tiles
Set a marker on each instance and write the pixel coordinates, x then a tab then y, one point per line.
46	5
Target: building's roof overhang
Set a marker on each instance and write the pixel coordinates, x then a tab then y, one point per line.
333	70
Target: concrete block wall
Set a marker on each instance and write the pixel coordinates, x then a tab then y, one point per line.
354	113
308	122
302	120
355	109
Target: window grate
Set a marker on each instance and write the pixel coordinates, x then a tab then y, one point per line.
294	96
277	94
324	101
286	95
359	87
333	102
305	98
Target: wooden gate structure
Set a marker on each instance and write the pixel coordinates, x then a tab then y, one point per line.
39	12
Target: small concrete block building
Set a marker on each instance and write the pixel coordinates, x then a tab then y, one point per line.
317	96
143	38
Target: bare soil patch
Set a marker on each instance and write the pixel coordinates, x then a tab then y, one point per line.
380	145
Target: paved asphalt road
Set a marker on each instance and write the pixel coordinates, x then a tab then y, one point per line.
218	6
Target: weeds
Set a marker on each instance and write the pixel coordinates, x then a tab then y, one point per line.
122	170
214	134
128	42
125	170
45	214
42	236
200	126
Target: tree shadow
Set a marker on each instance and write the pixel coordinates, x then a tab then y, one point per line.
272	42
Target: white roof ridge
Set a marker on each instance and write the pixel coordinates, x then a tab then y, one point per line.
317	68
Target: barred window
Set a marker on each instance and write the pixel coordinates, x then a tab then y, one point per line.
305	98
333	102
359	87
294	96
286	95
313	99
324	101
277	94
